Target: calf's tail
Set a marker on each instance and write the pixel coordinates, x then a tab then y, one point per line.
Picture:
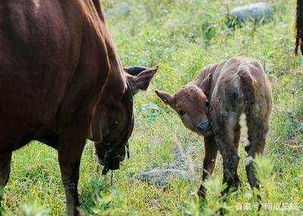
248	85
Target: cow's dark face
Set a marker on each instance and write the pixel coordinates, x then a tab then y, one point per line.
116	126
117	120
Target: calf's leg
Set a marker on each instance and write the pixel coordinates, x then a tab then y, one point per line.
209	162
224	129
230	166
237	134
257	130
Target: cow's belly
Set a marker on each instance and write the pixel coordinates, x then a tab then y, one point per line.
39	49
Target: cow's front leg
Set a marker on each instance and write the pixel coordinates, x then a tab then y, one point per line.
5	167
209	162
69	159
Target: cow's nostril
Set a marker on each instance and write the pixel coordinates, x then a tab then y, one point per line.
203	126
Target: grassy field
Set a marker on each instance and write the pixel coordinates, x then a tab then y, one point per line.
182	36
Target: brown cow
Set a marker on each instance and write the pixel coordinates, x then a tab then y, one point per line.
211	106
62	81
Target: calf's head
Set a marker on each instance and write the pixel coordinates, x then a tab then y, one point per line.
192	105
115	120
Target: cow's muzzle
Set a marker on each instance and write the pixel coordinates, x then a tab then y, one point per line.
112	159
111	163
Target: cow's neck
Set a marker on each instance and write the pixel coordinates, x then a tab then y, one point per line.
116	83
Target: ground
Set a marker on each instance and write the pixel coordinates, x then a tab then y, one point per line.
182	36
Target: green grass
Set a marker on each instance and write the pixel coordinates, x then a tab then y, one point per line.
182	36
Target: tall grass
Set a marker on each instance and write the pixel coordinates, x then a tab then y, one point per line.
182	36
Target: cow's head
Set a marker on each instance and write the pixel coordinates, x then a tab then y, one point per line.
116	120
192	105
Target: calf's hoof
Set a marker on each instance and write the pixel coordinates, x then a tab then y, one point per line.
232	185
202	192
76	212
79	212
220	212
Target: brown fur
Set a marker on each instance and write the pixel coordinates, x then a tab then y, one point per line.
218	96
59	72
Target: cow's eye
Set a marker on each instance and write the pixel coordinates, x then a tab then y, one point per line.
207	104
181	112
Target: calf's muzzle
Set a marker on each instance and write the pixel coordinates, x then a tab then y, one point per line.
203	127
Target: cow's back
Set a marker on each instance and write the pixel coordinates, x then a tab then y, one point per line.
40	50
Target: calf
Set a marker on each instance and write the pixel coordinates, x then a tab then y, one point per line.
211	105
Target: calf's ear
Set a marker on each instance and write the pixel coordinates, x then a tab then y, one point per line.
165	97
142	80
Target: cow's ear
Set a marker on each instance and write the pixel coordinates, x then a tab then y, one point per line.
205	85
165	97
134	70
95	133
142	80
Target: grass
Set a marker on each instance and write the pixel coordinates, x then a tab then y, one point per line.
182	37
